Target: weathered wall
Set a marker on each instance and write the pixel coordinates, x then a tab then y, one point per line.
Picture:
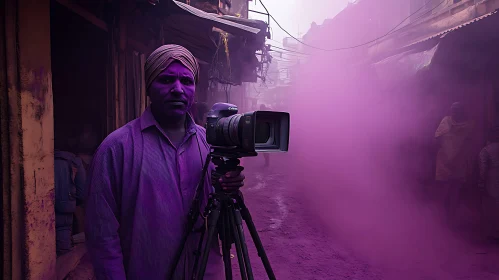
29	189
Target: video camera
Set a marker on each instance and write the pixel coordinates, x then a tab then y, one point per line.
234	135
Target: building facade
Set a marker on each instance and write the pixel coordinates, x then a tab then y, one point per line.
442	53
73	70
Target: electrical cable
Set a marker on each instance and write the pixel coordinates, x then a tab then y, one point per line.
420	16
355	46
289	54
288	50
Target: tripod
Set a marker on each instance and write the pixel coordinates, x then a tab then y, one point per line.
224	214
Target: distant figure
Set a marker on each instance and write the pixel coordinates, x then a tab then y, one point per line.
87	144
453	137
70	179
89	139
489	183
266	156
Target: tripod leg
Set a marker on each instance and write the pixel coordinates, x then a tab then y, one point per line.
212	226
256	239
237	241
224	228
244	247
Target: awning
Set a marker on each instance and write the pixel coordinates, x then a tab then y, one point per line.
215	20
258	24
404	65
405	62
432	28
442	33
193	28
200	33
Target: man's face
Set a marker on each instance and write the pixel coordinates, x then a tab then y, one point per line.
172	92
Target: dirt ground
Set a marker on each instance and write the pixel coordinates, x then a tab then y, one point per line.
84	270
299	247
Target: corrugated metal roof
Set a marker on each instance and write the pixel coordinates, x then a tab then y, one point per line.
453	29
262	25
390	50
226	25
404	65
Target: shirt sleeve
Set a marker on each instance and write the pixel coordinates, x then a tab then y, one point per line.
101	219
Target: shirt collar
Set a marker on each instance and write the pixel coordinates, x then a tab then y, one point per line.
147	120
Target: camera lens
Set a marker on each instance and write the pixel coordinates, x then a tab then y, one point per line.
230	129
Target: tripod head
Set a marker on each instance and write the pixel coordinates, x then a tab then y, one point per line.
222	166
224	162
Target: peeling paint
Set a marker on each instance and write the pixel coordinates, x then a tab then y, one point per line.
29	189
37	83
34	179
36	133
38	161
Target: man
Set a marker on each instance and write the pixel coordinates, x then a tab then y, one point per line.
453	138
489	183
143	179
69	192
87	144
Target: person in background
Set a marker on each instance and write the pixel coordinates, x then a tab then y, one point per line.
88	143
143	179
70	182
453	163
489	184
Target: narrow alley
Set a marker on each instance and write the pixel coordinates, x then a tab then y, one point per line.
378	120
300	246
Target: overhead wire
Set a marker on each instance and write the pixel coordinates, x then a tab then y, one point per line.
289	54
275	41
355	46
288	50
421	16
282	59
281	54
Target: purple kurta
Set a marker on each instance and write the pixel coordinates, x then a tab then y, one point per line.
140	192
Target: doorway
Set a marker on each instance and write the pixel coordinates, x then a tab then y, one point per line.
79	56
79	61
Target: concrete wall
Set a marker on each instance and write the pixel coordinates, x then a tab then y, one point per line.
28	187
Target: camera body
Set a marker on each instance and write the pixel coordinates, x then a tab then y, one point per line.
242	135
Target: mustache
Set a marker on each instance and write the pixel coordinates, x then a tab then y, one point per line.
168	100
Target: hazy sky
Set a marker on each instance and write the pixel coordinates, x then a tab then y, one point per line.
296	15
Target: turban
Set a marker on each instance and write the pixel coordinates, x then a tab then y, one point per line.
165	55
